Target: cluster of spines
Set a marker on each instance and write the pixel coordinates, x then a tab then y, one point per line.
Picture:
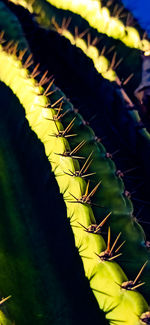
107	70
45	17
85	197
101	63
126	195
98	17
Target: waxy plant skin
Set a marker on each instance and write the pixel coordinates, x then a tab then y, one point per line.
72	250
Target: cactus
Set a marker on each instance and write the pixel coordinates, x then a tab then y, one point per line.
106	104
67	142
56	147
27	244
98	17
129	110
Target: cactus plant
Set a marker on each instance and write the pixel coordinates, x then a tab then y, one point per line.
62	161
111	104
129	110
67	142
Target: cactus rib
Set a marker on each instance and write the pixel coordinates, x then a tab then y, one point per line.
37	107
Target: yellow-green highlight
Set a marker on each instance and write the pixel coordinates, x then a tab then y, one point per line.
101	63
99	18
105	277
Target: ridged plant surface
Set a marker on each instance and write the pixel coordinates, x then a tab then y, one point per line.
112	245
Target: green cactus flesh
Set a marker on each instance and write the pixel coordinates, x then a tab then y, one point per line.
105	277
124	207
113	205
103	67
137	134
131	62
98	18
101	64
29	269
101	19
